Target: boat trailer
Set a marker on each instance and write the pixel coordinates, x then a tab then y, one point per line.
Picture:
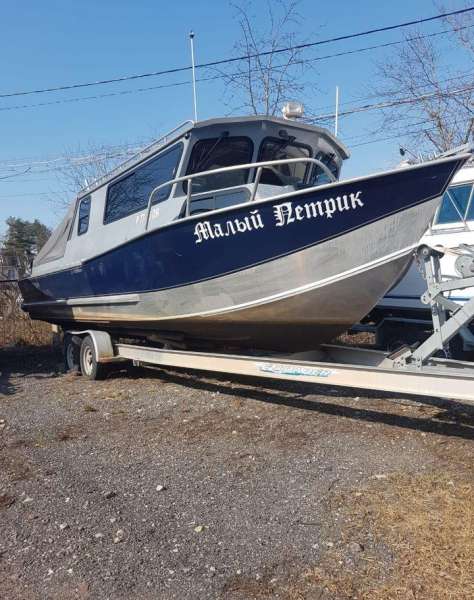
416	369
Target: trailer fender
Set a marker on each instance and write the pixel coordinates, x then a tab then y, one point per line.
103	346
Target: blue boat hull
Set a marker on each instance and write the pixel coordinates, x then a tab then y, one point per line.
202	258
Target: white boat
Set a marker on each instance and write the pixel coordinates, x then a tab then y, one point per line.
452	227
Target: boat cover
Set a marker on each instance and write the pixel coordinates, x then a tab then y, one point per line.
56	245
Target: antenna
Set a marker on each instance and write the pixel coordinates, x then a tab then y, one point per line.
336	113
191	40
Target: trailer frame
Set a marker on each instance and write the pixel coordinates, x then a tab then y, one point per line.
412	369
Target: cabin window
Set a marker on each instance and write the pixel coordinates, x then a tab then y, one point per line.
294	174
319	176
456	205
215	153
83	215
131	193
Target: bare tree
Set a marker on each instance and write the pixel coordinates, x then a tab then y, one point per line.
462	25
82	166
429	105
259	84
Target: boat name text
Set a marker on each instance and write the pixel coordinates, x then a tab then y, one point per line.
284	214
205	230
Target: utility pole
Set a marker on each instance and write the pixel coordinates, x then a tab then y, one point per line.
191	40
336	114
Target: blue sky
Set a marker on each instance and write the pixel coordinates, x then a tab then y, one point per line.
52	43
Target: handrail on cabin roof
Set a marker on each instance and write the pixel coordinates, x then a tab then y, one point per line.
166	138
178	132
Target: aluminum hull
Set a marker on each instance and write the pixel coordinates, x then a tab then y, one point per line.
316	279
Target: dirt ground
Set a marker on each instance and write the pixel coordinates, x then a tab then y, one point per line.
178	485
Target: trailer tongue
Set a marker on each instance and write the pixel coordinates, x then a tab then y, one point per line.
409	370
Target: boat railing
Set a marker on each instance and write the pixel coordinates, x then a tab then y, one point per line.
143	153
259	166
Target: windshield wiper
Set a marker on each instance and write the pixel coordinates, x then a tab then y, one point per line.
209	152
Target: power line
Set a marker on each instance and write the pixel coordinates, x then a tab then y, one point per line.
238	74
35	194
365	143
33	180
239	58
99	96
120	151
451	121
394	137
113	153
392	93
400	102
385	139
376	141
384	45
3	177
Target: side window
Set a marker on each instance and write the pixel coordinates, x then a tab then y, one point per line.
83	215
455	205
130	194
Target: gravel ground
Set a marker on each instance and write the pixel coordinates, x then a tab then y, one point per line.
165	484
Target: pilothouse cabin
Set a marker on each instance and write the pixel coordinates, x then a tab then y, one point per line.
117	208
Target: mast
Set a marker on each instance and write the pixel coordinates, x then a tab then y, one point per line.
191	40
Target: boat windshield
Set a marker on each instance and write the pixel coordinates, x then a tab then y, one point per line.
318	176
215	153
457	205
294	174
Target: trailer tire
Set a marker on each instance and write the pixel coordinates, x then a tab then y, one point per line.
90	367
72	350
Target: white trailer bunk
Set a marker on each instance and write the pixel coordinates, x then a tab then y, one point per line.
409	370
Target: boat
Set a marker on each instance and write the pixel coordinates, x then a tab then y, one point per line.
452	227
231	233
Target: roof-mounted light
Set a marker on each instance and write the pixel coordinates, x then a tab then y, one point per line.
293	110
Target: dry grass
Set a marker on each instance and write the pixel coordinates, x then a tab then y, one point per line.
425	527
16	328
401	538
22	331
356	339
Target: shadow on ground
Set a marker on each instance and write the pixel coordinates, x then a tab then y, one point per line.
453	419
42	361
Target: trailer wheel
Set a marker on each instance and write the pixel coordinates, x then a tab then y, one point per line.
90	368
72	348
